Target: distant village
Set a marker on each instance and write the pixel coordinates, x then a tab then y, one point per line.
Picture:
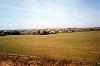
46	31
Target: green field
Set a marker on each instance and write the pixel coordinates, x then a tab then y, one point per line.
69	45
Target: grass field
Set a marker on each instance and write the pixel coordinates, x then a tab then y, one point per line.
64	45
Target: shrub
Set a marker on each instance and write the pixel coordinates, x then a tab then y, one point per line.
43	32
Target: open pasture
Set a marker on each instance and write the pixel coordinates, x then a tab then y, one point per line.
64	45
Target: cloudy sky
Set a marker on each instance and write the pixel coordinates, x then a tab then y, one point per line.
30	14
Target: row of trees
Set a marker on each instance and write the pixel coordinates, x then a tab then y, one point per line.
35	32
16	32
45	31
12	32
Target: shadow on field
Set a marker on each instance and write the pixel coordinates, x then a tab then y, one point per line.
23	60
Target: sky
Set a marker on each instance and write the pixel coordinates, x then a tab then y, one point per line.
33	14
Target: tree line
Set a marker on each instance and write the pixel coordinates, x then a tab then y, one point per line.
46	31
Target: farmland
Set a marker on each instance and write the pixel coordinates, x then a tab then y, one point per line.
75	45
